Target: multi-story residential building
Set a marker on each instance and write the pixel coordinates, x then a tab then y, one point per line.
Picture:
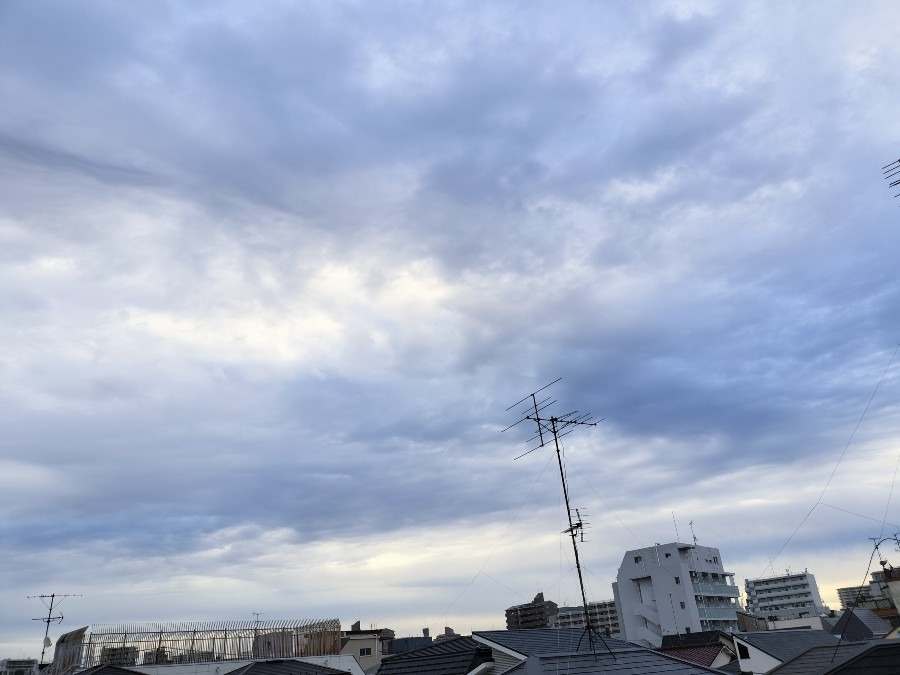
851	596
789	596
538	613
675	588
603	616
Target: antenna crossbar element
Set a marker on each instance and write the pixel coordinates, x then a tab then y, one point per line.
554	427
891	170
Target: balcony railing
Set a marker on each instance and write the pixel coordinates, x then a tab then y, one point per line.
727	613
725	590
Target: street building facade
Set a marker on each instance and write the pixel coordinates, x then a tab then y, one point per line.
788	596
674	588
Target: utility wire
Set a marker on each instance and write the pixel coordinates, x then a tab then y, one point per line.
606	504
859	515
497	543
834	470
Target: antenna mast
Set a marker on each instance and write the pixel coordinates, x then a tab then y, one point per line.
50	618
555	427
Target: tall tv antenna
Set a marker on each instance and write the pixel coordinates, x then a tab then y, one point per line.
53	597
552	428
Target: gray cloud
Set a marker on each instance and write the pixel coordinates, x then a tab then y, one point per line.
270	281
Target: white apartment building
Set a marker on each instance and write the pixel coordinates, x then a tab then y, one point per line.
850	596
603	616
672	589
789	596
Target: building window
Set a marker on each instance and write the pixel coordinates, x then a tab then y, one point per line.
668	555
682	605
365	651
743	652
637	558
677	580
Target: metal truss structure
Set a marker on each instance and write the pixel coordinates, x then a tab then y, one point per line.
168	643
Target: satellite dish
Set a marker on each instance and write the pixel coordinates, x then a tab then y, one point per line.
47	642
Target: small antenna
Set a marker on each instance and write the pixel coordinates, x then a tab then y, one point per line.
255	649
692	532
50	618
677	536
555	427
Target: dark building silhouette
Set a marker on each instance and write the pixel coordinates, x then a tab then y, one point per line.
534	614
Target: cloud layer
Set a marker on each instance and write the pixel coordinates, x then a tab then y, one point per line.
271	279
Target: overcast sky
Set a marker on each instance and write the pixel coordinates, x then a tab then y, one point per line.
271	275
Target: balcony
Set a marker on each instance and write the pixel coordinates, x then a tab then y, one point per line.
723	590
723	613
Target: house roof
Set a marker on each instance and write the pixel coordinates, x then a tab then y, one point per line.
820	659
702	655
875	657
107	669
700	638
633	660
786	644
733	668
881	658
283	667
555	651
456	656
549	641
860	624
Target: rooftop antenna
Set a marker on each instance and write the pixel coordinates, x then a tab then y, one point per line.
50	618
692	532
255	650
891	170
553	427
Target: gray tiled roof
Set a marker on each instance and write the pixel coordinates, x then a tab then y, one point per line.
108	669
876	657
447	657
881	658
284	667
786	644
860	623
634	660
733	668
705	637
549	641
820	659
556	651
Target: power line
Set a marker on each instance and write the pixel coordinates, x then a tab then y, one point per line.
833	471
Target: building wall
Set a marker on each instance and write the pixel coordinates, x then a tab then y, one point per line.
813	622
753	660
603	616
366	649
789	596
671	589
18	666
851	595
538	613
